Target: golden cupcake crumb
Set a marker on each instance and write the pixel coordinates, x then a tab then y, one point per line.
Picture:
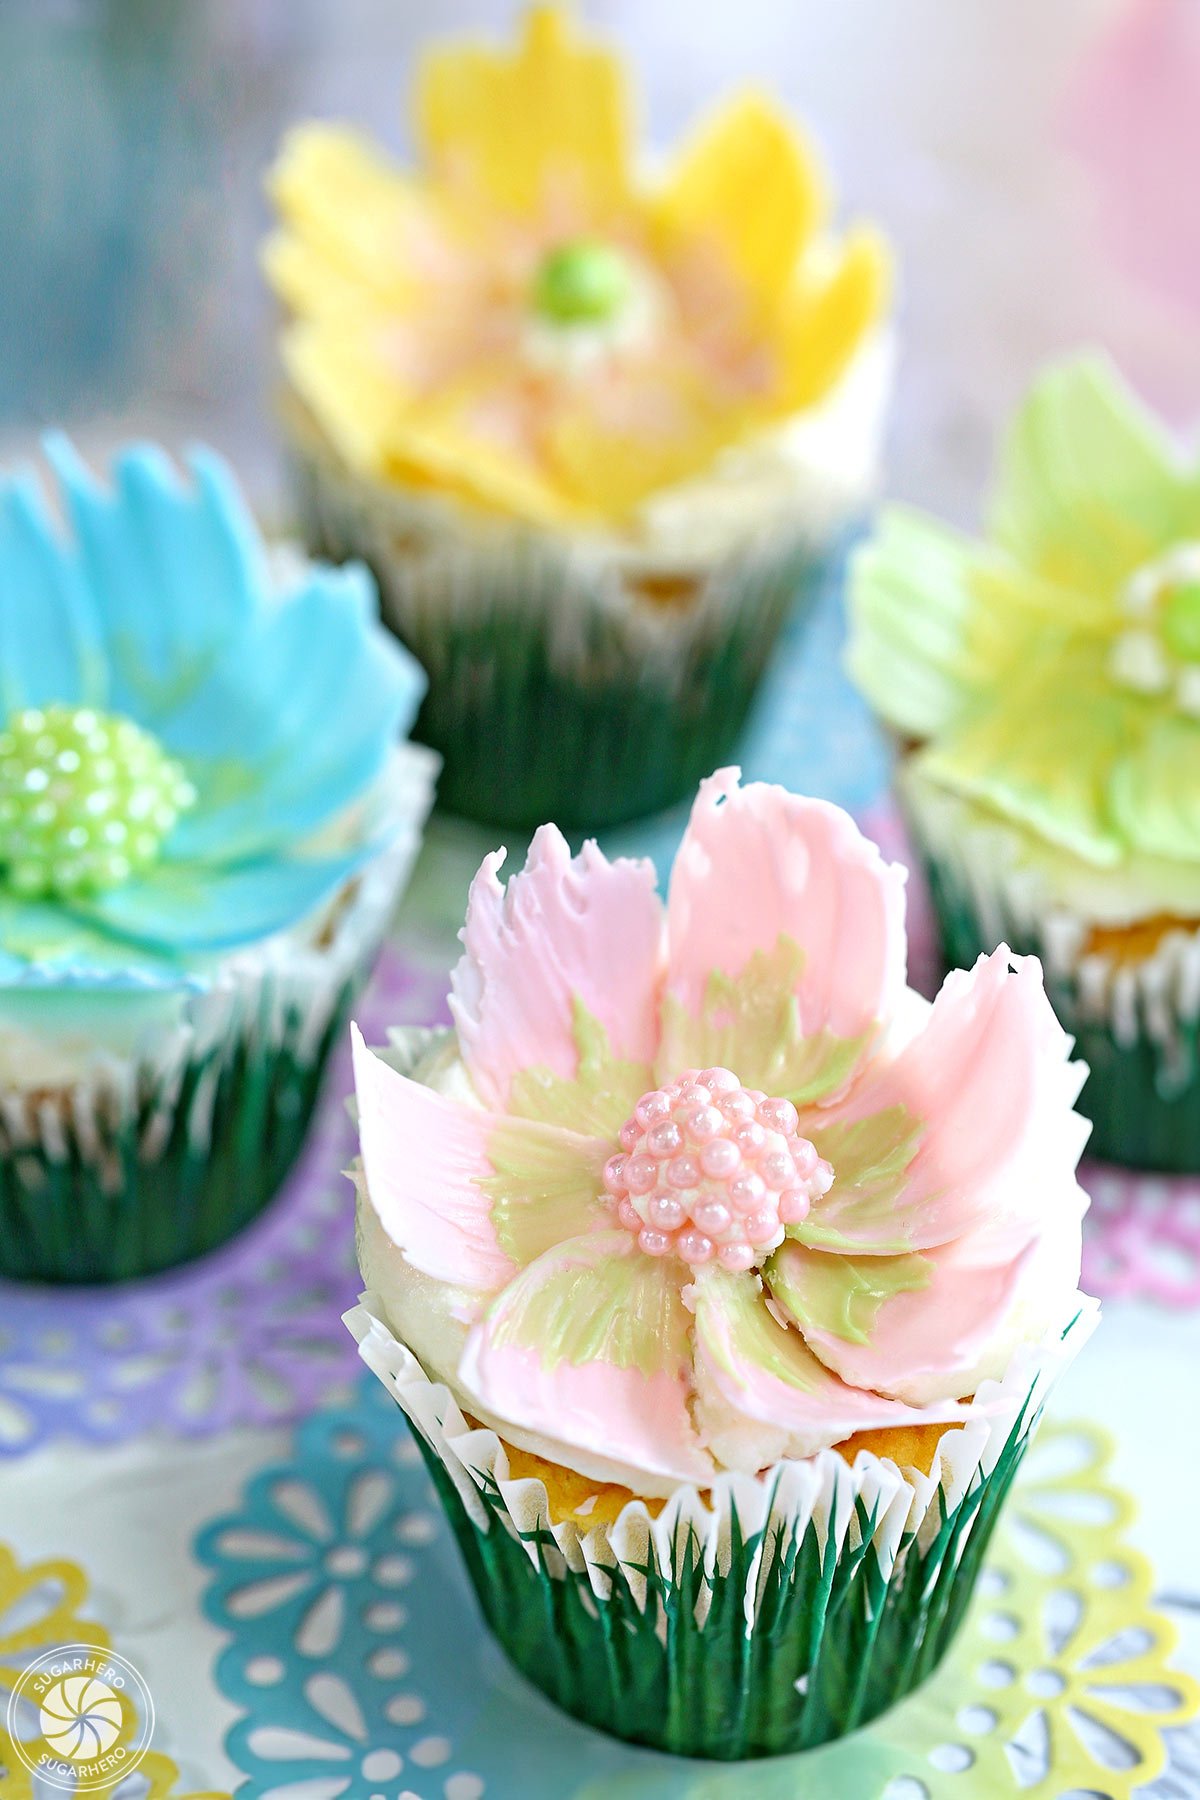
1127	945
584	1503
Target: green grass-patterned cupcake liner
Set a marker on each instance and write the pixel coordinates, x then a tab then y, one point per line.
567	681
109	1191
147	1159
1136	1027
769	1615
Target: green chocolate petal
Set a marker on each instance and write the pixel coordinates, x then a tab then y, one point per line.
1088	487
1155	790
1045	756
1181	621
751	1023
841	1296
938	621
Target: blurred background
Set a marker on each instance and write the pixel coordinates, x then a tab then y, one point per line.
1001	145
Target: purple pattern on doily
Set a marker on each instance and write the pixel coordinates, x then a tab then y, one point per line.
1142	1232
1142	1236
251	1335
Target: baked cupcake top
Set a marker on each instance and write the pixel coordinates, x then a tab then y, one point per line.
526	321
696	1188
194	734
1050	672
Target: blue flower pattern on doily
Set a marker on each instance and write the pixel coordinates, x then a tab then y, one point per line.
336	1646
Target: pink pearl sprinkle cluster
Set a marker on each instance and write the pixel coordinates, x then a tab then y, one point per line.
709	1168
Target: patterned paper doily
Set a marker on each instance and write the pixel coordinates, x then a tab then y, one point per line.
251	1335
41	1610
358	1659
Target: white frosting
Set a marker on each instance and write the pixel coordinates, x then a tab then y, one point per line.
1038	881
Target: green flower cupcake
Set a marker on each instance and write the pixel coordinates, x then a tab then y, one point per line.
722	1277
1044	688
206	818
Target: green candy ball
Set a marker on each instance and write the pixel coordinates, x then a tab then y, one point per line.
86	800
581	283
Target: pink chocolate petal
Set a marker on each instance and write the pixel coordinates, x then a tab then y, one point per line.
981	1296
762	1394
466	1196
563	933
587	1349
984	1089
758	864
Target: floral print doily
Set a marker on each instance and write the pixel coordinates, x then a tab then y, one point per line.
251	1335
358	1659
41	1610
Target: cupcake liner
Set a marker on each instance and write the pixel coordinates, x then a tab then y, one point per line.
569	677
765	1616
1136	1025
148	1159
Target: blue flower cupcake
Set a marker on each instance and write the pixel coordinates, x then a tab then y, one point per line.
207	814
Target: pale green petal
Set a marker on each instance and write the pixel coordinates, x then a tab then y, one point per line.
602	1094
751	1023
1089	487
546	1186
1045	758
1155	792
841	1296
936	620
910	601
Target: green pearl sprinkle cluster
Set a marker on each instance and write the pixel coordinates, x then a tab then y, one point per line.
86	800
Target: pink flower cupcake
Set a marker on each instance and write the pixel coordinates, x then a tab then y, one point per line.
722	1277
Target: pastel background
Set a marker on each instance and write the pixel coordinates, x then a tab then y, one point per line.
1031	162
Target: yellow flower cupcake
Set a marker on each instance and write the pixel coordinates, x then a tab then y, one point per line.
592	428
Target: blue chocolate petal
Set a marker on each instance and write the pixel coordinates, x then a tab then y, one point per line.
176	570
49	633
282	740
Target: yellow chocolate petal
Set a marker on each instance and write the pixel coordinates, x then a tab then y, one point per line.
827	315
343	381
436	454
610	470
521	127
750	186
348	221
